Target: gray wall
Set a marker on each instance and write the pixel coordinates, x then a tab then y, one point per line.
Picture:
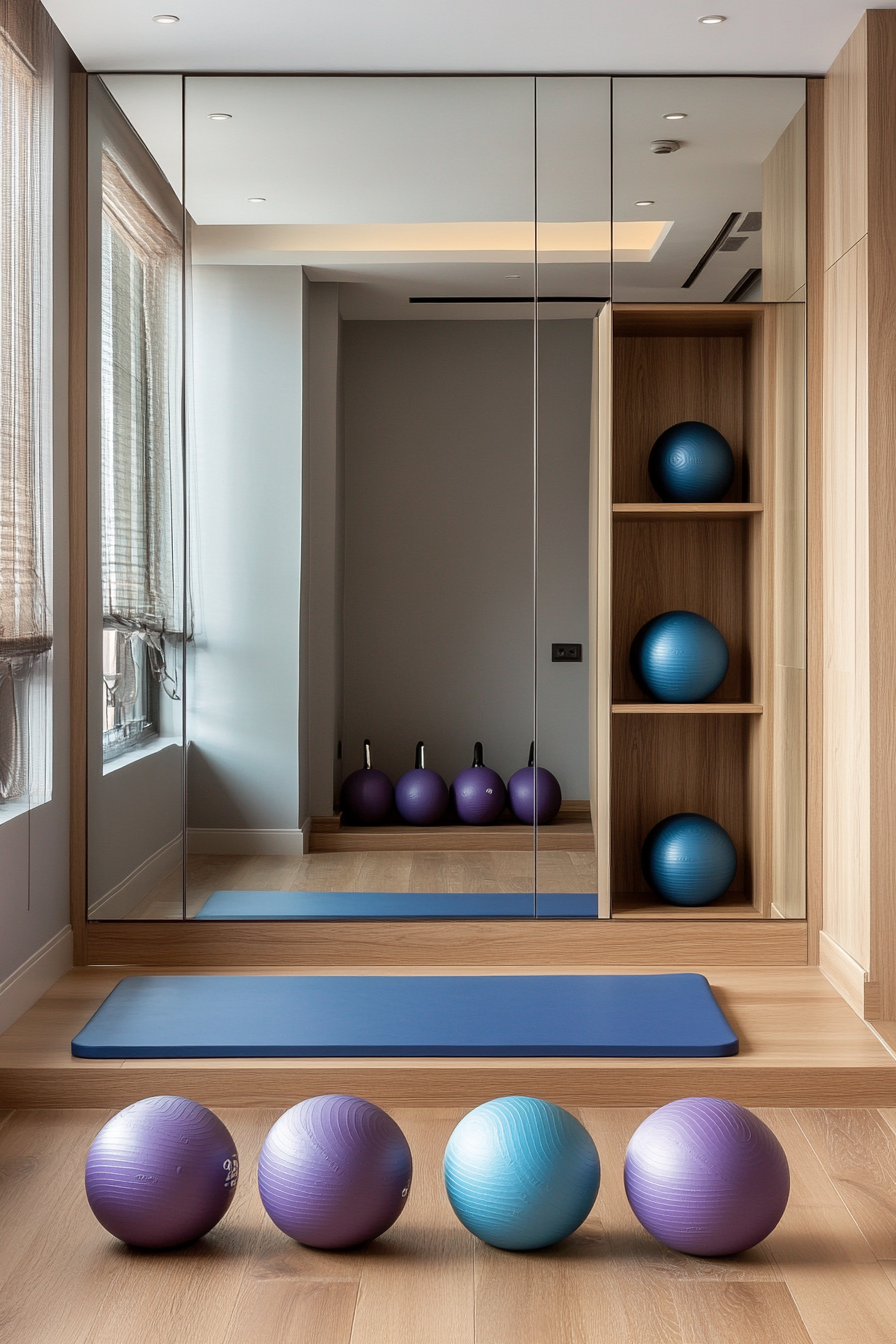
438	542
564	418
34	857
243	669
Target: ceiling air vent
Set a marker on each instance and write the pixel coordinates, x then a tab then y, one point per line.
665	146
752	222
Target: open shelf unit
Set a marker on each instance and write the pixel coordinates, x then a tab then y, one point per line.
739	756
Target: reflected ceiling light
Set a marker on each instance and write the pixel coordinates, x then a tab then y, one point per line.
220	116
645	202
165	18
713	18
256	200
511	277
674	116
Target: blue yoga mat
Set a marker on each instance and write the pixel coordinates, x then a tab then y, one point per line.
320	1016
265	905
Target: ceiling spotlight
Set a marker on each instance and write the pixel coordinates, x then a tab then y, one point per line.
220	116
165	18
674	116
665	146
645	202
713	18
256	200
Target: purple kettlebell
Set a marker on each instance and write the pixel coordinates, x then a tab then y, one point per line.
366	795
421	795
529	781
479	793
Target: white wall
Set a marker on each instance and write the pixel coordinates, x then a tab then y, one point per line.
34	877
438	542
243	668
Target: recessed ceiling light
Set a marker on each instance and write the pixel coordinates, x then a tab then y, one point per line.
220	116
511	277
645	202
674	116
256	200
713	18
165	18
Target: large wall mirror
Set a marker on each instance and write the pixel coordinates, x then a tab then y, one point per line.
363	514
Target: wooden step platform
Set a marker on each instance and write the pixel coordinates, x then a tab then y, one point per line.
570	831
801	1045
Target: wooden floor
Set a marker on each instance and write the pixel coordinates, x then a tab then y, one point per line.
826	1275
411	870
800	1045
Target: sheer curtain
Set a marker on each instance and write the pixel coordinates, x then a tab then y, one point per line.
141	474
26	112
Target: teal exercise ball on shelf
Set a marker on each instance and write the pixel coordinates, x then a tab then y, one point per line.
679	657
689	859
521	1173
691	463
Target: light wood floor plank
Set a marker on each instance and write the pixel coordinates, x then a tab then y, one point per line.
738	1313
841	1292
291	1311
417	1280
858	1151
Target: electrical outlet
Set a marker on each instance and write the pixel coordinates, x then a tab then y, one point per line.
566	653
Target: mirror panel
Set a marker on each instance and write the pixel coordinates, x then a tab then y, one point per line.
709	207
362	484
137	609
573	236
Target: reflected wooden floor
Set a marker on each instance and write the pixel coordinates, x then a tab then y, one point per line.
826	1275
421	870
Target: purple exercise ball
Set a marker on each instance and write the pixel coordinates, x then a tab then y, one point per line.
367	794
706	1177
334	1171
521	790
479	793
421	795
161	1172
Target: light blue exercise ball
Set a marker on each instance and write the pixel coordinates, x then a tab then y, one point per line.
689	859
679	657
691	463
521	1173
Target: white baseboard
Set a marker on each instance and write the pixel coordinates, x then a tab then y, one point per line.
847	976
23	988
121	900
227	840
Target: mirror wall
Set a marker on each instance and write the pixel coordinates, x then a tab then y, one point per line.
378	371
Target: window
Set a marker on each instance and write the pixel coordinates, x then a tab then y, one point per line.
141	469
26	638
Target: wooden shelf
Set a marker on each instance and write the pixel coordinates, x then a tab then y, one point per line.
704	707
570	831
687	513
645	905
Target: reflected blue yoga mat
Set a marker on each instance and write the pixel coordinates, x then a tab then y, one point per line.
397	905
319	1016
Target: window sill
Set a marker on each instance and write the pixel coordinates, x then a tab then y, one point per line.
140	753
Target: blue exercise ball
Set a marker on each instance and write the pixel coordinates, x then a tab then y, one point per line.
679	657
689	859
691	463
521	1173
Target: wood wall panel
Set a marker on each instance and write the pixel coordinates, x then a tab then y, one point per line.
846	807
815	175
881	494
600	590
784	214
846	128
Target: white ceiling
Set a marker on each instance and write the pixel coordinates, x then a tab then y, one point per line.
616	36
